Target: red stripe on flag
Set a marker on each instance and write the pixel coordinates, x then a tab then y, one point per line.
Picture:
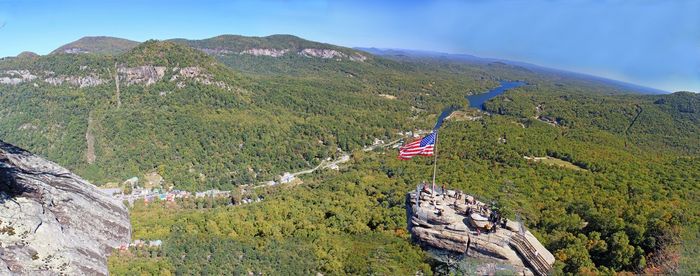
414	149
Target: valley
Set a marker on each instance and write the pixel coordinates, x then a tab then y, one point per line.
609	188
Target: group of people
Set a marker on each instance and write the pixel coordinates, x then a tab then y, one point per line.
494	217
426	189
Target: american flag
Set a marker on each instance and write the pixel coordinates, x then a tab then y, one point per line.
423	147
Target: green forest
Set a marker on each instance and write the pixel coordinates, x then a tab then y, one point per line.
630	204
257	129
637	206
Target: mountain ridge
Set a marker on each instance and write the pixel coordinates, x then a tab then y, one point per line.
277	45
97	45
397	53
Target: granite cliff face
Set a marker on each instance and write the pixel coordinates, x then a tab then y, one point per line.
19	76
52	221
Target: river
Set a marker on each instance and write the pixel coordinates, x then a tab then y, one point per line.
478	100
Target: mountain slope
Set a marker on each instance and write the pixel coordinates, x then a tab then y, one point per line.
179	112
97	45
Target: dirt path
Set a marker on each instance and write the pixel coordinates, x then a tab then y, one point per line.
639	112
90	141
116	81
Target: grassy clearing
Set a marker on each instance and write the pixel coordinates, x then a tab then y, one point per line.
556	162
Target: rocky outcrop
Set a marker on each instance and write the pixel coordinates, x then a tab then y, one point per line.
330	53
80	81
28	126
265	52
147	74
75	50
358	57
322	53
52	221
141	75
197	74
441	222
14	77
215	51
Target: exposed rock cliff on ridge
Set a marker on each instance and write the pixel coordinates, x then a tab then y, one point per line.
52	221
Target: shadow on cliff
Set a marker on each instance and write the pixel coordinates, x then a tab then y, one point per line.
10	188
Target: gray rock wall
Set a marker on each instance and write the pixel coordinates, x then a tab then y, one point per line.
52	221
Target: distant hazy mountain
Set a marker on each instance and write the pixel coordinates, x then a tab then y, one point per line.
390	52
403	53
97	45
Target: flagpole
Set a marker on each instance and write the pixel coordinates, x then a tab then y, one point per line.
435	153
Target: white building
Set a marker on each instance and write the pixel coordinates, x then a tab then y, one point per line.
287	177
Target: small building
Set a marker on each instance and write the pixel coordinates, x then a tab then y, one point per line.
287	177
140	192
155	243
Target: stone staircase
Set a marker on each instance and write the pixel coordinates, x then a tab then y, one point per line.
536	262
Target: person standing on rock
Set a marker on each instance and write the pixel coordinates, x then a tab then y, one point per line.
466	249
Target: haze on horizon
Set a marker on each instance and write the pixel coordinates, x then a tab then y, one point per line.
653	43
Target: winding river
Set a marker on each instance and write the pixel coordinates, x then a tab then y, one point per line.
478	100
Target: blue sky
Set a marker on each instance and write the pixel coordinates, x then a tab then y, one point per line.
647	42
